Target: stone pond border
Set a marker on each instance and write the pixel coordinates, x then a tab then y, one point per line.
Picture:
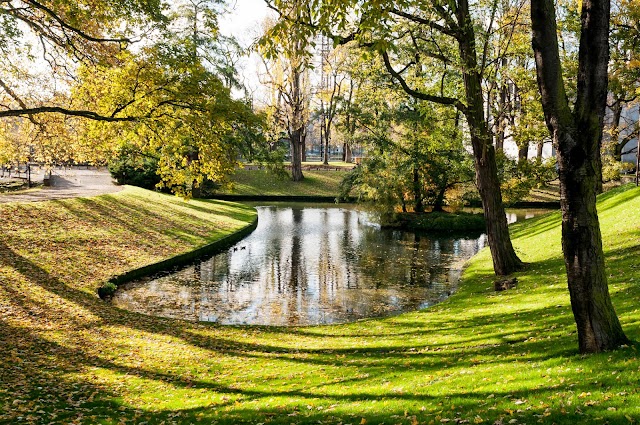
106	290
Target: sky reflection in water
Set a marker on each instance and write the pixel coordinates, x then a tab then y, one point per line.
308	265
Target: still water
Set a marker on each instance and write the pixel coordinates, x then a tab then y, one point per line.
309	265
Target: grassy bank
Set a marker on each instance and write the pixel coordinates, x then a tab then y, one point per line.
260	182
480	357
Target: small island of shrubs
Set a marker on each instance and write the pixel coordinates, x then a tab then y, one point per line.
434	221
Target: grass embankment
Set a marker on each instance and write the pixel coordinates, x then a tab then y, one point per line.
264	183
480	357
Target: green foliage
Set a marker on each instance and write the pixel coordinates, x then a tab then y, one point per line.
518	178
414	157
436	222
135	170
42	43
612	170
107	290
188	120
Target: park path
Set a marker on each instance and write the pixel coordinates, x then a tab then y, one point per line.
71	182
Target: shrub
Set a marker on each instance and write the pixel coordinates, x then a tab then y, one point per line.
107	290
612	170
136	170
435	222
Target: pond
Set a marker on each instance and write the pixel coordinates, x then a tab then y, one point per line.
306	265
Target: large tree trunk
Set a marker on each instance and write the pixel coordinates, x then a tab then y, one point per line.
505	260
348	153
577	137
296	155
598	325
439	201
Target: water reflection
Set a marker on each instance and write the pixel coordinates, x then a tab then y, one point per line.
308	266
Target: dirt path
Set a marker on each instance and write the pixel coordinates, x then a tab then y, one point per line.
67	183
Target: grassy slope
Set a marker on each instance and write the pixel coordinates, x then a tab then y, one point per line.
479	357
316	183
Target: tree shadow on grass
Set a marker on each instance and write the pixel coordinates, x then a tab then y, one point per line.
536	225
70	398
363	362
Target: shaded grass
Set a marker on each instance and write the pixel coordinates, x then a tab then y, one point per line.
480	357
261	182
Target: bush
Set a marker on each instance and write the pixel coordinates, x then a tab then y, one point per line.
435	222
107	290
135	170
612	170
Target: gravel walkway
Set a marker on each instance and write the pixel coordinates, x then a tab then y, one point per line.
67	183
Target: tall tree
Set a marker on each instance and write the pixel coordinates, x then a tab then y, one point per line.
286	60
330	90
190	124
408	34
577	135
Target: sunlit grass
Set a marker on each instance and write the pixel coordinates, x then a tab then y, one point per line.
261	182
479	357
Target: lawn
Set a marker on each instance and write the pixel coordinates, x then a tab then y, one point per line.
479	357
261	182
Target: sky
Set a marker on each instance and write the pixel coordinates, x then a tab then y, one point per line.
245	17
244	24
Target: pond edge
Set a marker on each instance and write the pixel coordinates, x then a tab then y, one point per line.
106	290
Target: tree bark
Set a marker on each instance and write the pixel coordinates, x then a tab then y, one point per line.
616	109
505	260
297	130
303	146
439	201
577	136
347	153
325	160
296	155
523	152
539	149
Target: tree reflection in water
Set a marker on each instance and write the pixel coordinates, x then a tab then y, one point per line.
309	266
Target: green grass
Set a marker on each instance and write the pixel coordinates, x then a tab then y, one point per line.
479	357
260	182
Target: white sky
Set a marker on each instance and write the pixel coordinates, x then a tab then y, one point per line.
244	19
244	23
